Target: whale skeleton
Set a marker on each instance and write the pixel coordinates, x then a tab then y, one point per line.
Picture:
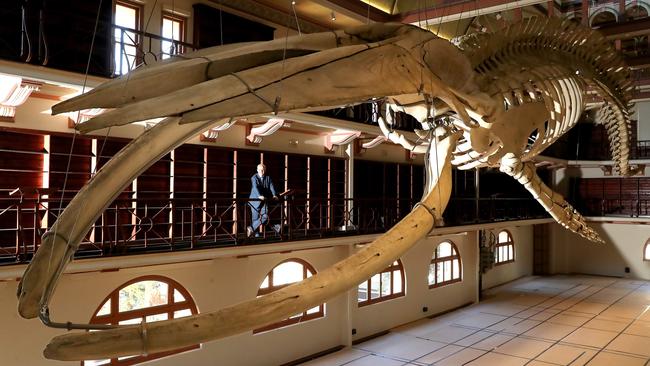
486	100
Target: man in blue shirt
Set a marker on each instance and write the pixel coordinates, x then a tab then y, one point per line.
261	188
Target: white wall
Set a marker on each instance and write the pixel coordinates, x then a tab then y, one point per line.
371	319
624	243
642	115
216	283
523	264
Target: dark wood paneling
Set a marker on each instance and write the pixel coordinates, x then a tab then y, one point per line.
188	172
70	166
220	174
246	162
213	27
275	168
297	175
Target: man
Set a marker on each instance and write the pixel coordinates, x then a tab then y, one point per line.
261	188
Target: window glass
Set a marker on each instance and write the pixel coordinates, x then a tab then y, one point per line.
127	18
172	28
150	299
143	294
504	251
385	285
282	275
445	265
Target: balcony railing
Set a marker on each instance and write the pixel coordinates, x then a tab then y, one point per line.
130	226
135	47
615	207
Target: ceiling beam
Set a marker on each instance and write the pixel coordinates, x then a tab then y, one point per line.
356	10
463	10
626	30
268	15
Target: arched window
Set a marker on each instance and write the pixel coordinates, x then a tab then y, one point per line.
385	285
603	16
504	251
445	265
646	251
282	275
636	12
147	298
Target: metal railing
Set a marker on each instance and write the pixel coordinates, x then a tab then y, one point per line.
641	150
614	207
135	47
130	226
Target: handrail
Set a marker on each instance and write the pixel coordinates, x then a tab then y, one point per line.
130	226
132	39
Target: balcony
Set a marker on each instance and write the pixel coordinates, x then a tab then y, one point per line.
131	226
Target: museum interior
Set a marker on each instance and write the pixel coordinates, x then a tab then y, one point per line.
500	277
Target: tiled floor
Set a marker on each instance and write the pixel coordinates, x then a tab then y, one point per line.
537	321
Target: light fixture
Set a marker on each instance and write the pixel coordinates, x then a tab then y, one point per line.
293	3
333	16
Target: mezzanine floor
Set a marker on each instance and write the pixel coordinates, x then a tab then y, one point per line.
535	321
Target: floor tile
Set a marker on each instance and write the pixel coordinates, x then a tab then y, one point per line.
400	346
569	319
606	324
625	311
529	312
492	359
440	354
461	358
537	321
514	325
473	338
449	334
479	320
550	331
419	328
590	337
628	343
503	308
522	347
338	358
561	354
640	328
566	304
612	359
492	342
373	360
539	363
588	307
544	315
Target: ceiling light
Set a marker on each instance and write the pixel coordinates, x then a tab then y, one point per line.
333	16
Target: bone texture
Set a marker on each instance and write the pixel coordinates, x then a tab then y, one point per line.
555	60
499	100
553	202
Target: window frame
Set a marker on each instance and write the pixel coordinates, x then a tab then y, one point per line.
180	49
435	261
510	244
393	295
306	266
139	25
647	244
115	316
